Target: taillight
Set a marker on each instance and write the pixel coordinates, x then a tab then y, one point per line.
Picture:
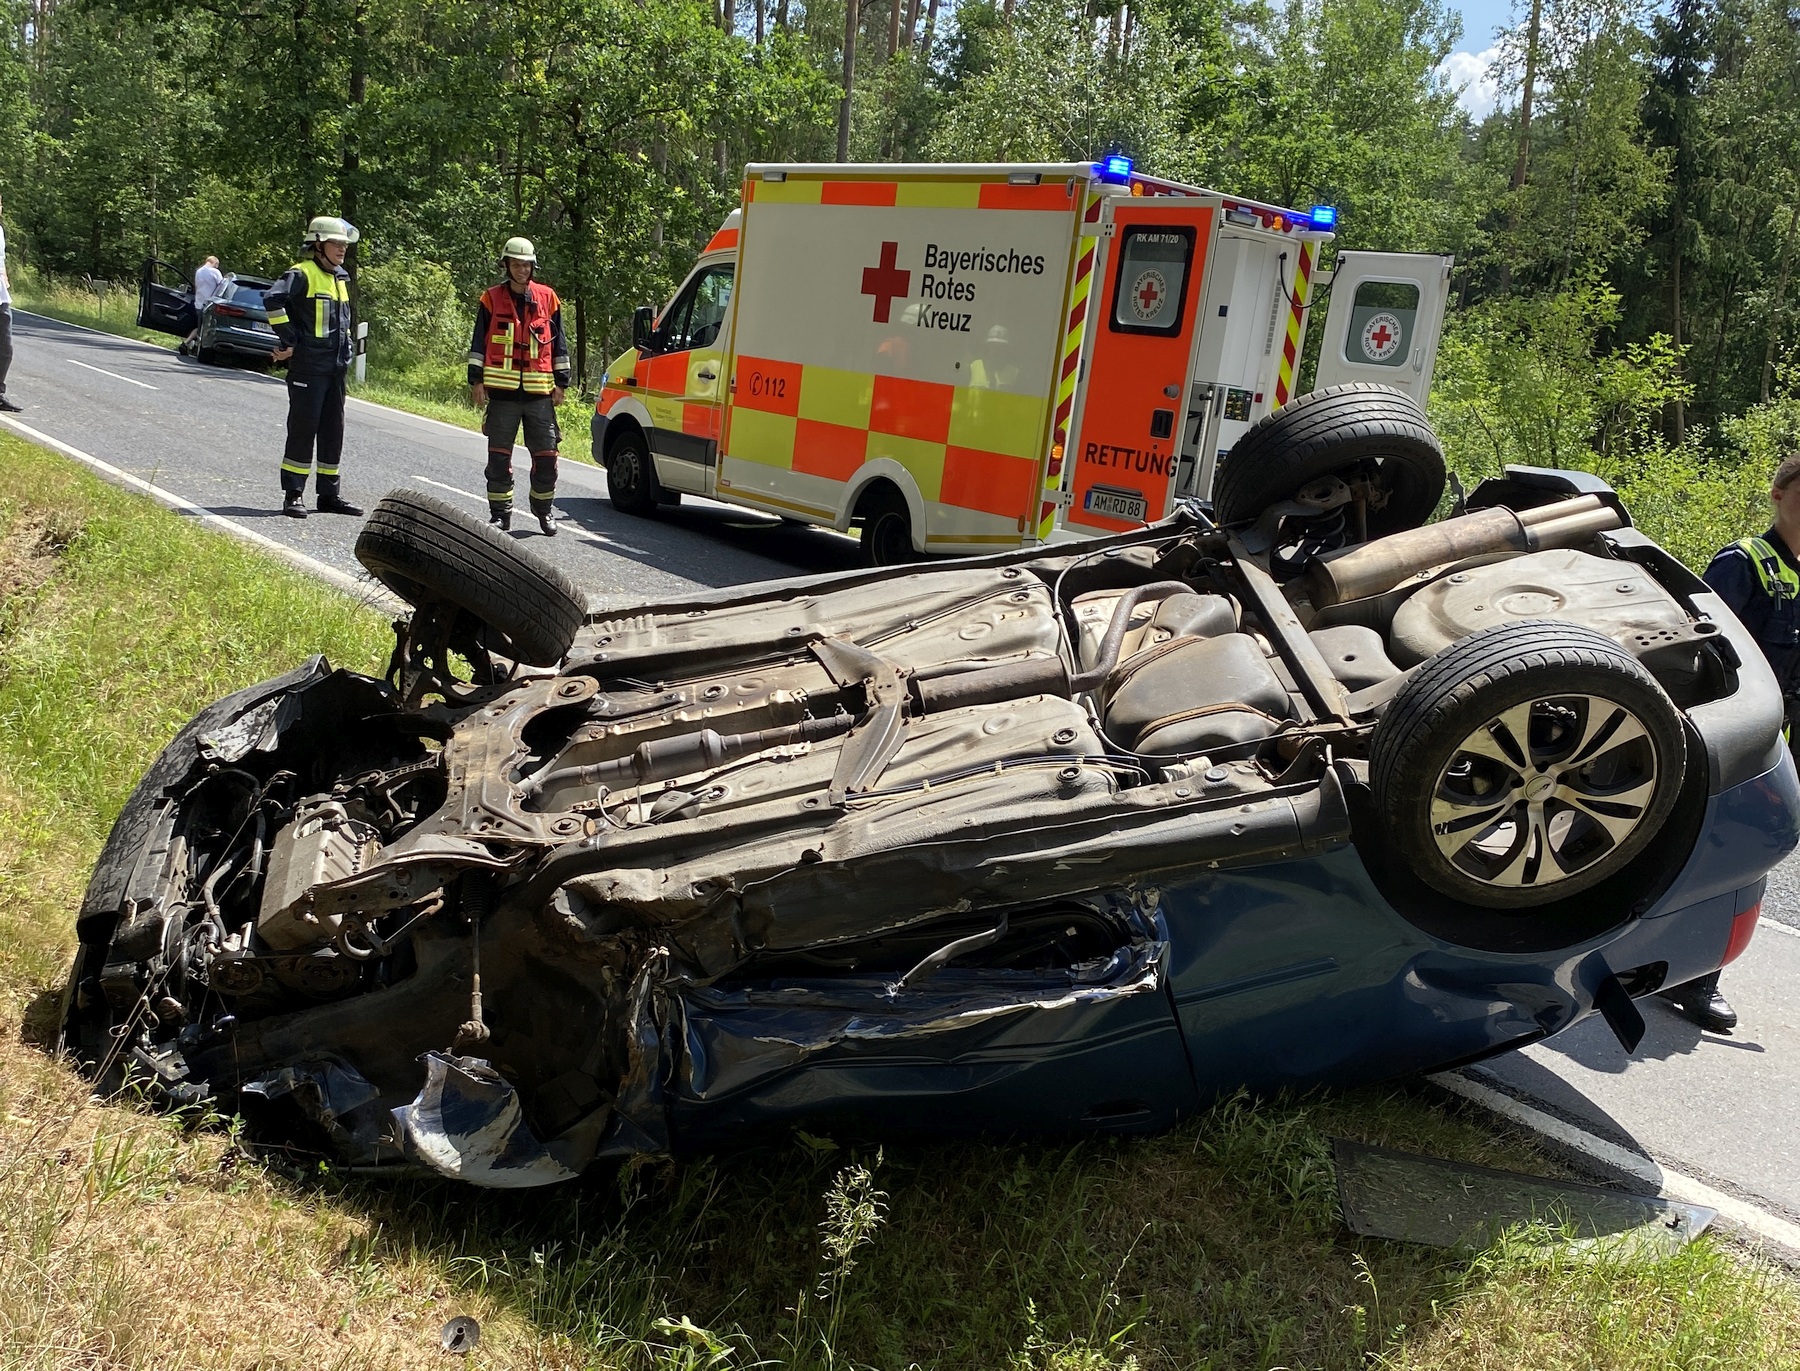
1741	928
231	311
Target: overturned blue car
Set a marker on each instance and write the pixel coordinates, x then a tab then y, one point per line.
1300	789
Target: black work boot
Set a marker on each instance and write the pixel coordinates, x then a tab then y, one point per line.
1701	1002
500	516
294	506
337	504
547	522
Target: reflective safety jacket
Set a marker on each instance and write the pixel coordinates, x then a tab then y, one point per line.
1759	580
518	343
309	309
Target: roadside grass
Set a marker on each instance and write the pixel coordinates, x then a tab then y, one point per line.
135	1240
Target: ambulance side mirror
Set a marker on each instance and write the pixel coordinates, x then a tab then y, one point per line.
643	328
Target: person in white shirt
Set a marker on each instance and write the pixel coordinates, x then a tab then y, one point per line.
208	282
6	347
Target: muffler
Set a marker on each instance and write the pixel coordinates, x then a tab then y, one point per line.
1358	572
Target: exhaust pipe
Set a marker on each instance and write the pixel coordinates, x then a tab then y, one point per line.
1358	572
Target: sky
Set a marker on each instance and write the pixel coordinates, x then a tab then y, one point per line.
1468	65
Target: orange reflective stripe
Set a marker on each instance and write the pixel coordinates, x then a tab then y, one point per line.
988	481
912	409
1050	195
1073	333
724	238
1290	348
773	387
702	420
834	451
858	193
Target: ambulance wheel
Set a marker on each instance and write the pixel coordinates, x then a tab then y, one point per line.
886	528
431	553
631	482
1359	430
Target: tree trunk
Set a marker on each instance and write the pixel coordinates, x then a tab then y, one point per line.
1522	162
931	13
843	141
762	9
912	24
781	15
350	173
1677	408
1781	283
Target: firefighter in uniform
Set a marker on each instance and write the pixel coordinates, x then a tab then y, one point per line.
309	309
518	371
1759	578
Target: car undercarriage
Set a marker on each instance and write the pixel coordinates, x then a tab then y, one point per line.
545	895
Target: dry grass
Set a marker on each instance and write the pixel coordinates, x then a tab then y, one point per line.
132	1240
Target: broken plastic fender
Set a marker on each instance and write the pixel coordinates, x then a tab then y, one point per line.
466	1124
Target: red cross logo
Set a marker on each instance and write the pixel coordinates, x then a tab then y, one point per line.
886	282
1148	295
1381	335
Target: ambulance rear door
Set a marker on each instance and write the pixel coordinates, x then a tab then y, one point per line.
1129	426
1384	320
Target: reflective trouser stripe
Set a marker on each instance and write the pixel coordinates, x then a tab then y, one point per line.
294	469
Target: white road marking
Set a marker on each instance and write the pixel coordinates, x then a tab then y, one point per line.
585	535
365	592
1778	926
115	375
1746	1218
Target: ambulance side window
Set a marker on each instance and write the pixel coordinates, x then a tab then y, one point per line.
1150	290
1381	323
695	318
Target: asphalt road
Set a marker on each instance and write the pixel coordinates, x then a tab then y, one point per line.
1725	1109
214	436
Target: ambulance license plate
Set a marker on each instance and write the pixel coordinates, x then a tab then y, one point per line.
1116	504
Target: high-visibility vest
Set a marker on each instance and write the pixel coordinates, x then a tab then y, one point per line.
518	353
320	320
1779	580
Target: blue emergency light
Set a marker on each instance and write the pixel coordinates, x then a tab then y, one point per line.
1116	166
1323	216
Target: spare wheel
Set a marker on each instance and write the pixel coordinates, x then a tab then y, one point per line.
430	553
1527	763
1360	430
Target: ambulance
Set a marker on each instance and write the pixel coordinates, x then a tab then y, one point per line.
966	358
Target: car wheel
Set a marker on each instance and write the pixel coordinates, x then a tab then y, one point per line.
1527	763
1343	431
631	482
429	553
886	529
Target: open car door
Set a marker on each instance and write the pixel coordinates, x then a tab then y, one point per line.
165	299
1384	321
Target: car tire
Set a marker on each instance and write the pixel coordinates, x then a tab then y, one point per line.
1503	822
886	529
1333	432
429	553
631	482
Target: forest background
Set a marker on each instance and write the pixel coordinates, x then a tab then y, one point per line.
1624	221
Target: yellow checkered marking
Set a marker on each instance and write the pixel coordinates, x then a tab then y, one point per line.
788	192
937	195
997	421
831	396
757	436
923	461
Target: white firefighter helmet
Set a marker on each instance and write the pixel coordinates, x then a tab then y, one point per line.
520	250
328	228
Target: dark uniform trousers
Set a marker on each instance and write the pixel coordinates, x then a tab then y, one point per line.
507	413
315	420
